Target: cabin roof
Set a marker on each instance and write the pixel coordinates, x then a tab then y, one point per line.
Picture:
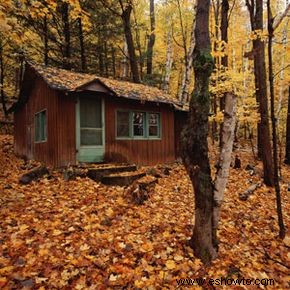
71	81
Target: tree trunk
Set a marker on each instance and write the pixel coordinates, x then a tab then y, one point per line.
106	59
66	33
184	92
82	46
227	134
287	156
151	39
169	61
194	139
273	118
125	70
138	45
126	13
264	142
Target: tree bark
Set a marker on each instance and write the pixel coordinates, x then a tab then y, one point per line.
287	155
169	61
82	46
151	40
282	230
264	143
184	92
66	33
194	139
126	14
125	64
227	133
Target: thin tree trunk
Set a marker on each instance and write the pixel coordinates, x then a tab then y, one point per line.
264	141
82	46
138	45
169	61
125	70
106	58
126	14
113	61
224	60
227	135
287	155
282	230
151	39
194	139
184	92
66	33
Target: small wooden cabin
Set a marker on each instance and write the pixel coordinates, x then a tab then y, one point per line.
63	117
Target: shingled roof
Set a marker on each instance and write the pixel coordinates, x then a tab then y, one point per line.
71	81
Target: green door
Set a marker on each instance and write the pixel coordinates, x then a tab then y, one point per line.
90	129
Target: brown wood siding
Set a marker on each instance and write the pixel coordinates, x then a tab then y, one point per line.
60	147
143	152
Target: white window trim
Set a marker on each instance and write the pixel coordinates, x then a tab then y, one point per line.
146	126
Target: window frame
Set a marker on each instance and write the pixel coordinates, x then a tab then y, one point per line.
36	126
146	125
158	125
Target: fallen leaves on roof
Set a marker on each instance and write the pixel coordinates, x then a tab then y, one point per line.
72	81
62	79
80	234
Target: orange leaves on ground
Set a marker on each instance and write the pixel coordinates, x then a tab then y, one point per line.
83	235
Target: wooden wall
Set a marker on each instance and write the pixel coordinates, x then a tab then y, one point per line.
145	152
60	147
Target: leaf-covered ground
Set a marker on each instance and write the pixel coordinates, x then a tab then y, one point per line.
84	235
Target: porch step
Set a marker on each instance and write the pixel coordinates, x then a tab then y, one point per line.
98	173
122	179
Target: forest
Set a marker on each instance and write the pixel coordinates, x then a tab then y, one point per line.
218	217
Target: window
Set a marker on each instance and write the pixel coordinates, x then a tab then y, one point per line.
40	126
137	125
153	125
123	124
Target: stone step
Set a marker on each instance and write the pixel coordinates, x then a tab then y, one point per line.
98	173
122	179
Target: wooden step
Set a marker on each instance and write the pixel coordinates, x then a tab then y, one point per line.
98	173
122	179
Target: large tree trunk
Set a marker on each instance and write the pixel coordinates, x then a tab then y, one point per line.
274	128
194	139
126	14
151	40
264	142
227	134
287	155
66	33
169	61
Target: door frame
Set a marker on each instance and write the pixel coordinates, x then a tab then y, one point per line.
78	130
